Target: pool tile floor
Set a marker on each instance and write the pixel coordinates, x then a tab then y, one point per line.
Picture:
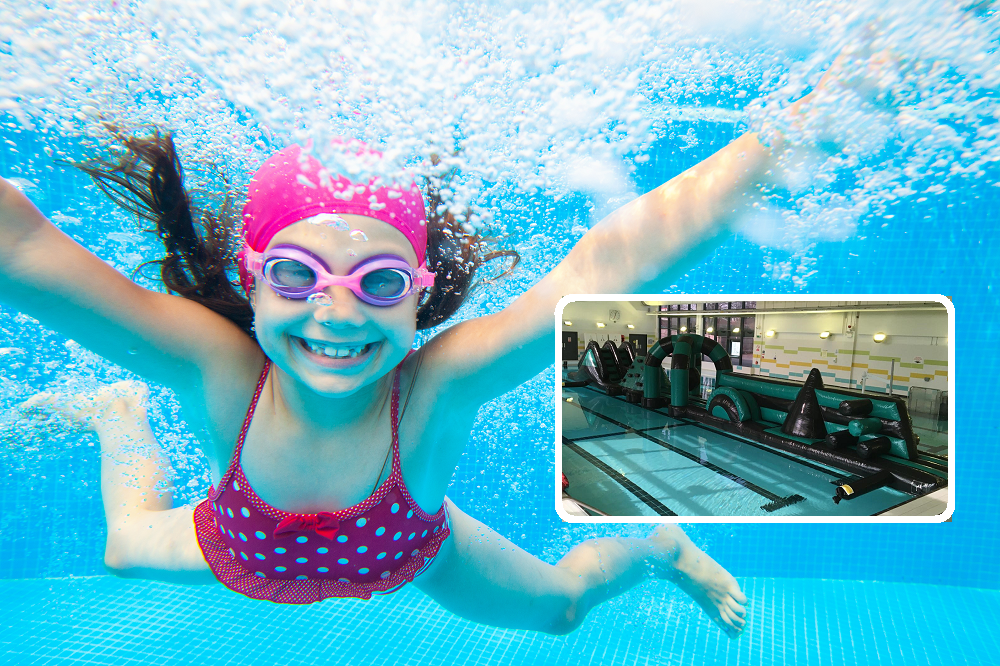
793	622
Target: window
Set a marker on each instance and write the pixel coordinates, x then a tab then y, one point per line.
733	333
679	318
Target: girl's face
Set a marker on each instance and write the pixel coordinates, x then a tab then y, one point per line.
339	348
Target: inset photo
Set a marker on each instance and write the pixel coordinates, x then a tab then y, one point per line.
711	408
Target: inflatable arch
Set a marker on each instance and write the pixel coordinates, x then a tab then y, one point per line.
684	379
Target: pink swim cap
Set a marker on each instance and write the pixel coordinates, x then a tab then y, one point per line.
292	186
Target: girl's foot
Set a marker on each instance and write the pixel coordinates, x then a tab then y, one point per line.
83	411
677	559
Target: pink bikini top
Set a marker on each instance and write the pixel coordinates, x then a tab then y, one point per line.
262	552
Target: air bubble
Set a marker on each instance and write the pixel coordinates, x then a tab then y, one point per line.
319	298
330	220
359	235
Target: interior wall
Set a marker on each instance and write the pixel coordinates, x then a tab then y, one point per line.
586	314
914	354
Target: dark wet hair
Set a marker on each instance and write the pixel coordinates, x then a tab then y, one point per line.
201	243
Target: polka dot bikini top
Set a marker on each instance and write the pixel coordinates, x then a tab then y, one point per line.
374	547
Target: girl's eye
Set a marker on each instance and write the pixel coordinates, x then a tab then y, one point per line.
385	283
289	273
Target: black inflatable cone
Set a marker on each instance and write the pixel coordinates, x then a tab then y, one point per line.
805	419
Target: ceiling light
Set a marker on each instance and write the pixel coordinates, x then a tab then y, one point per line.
684	329
710	329
630	325
567	322
600	324
736	330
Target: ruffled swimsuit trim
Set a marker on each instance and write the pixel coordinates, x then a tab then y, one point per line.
362	550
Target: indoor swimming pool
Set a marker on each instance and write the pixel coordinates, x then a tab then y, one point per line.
625	460
546	117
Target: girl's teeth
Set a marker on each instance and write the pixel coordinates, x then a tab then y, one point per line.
335	352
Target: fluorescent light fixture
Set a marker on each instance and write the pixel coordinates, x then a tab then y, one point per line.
770	333
600	324
567	322
630	325
879	337
824	334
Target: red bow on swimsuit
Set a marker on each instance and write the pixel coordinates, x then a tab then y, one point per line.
323	523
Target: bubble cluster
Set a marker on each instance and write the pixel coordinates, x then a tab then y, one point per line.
543	98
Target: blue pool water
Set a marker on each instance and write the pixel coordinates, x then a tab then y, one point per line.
909	594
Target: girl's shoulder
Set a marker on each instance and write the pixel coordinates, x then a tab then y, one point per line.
222	401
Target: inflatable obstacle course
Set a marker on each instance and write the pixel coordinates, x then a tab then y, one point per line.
633	386
598	367
685	379
867	435
603	367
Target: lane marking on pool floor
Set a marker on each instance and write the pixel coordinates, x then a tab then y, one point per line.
619	478
775	501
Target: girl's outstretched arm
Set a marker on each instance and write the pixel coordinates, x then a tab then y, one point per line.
636	248
167	339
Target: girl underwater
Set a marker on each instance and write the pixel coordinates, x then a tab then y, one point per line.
332	483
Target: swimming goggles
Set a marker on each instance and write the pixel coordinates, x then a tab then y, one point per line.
294	272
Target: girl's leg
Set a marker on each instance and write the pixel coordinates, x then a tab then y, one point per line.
485	578
147	538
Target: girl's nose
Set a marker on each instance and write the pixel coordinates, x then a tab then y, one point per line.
337	307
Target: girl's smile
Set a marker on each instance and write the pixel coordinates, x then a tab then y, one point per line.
339	355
